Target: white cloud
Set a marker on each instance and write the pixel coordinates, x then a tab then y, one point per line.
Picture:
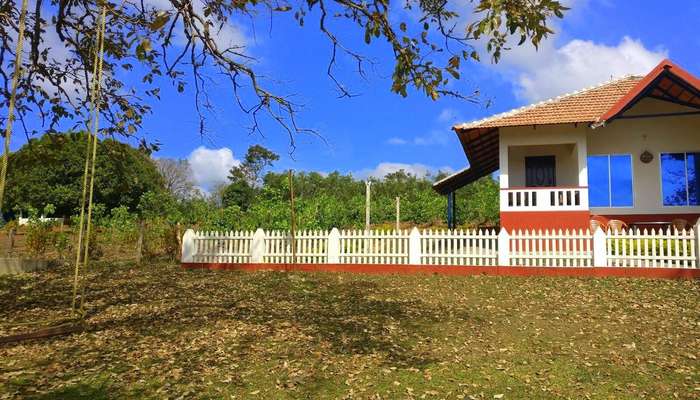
226	35
448	115
210	167
434	137
552	71
382	169
441	135
397	141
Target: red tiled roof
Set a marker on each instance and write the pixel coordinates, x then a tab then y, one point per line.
586	105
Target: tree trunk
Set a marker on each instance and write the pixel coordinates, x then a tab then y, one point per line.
178	236
139	242
11	238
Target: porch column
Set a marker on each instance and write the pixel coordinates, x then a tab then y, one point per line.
451	216
503	164
582	155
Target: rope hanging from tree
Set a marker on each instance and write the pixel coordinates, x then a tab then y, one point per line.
17	74
85	223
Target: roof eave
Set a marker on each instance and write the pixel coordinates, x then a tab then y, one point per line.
639	89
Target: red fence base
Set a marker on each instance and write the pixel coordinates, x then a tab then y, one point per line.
596	272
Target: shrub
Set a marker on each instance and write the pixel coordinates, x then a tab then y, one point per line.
39	235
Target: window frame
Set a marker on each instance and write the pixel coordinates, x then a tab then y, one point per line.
608	155
687	187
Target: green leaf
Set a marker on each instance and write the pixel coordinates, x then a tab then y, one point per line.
159	21
146	45
143	49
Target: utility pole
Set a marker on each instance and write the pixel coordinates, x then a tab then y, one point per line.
293	217
368	183
398	213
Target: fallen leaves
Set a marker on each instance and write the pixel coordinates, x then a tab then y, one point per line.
159	331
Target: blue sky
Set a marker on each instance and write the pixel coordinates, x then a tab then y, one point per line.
378	131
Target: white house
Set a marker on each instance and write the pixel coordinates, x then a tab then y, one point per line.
628	149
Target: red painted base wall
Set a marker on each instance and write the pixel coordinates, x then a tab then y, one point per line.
581	219
591	272
545	220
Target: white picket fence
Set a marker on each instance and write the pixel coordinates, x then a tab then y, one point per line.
373	247
653	248
561	248
311	247
222	247
470	247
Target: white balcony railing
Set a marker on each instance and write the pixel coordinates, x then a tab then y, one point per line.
544	199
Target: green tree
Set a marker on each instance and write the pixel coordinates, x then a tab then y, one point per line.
49	170
477	203
246	176
257	158
238	193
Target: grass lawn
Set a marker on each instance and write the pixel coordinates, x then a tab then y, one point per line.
158	331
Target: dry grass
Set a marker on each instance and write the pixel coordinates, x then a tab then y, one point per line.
158	331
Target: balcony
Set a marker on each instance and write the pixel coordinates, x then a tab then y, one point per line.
544	199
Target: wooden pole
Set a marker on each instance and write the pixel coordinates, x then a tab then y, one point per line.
293	216
368	184
178	239
11	238
398	213
139	242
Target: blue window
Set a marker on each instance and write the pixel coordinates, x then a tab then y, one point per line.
679	179
610	181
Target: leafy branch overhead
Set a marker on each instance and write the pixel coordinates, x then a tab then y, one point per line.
179	43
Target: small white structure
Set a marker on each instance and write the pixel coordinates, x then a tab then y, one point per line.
24	221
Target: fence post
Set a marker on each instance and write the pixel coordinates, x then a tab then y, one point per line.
414	250
600	257
257	247
333	248
503	248
188	246
696	232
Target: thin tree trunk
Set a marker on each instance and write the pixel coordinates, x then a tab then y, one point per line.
139	242
293	216
398	213
179	241
11	238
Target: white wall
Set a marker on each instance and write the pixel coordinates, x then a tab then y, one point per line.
566	142
623	136
566	162
656	135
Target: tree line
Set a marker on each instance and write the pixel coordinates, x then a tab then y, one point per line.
133	186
